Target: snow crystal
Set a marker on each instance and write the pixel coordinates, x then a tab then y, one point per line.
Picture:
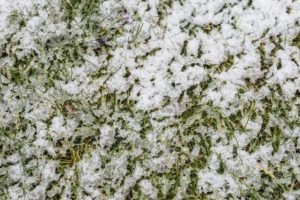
148	189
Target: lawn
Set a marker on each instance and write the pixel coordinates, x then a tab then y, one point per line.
158	99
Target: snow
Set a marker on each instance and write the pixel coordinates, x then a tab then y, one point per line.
181	89
15	172
148	189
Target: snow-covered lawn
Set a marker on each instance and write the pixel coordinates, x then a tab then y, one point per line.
149	99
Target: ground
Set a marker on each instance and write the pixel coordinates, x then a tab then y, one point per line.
159	99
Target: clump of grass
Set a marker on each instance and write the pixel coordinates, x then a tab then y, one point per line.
296	41
226	64
207	28
73	154
74	8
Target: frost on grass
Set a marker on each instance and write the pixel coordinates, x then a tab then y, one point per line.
185	99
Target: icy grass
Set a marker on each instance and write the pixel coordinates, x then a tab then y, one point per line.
149	99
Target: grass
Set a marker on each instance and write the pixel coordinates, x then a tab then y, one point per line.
296	41
116	109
